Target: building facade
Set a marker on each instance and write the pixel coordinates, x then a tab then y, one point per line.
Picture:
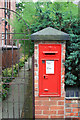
7	8
5	16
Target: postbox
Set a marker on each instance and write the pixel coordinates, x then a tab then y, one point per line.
49	69
49	72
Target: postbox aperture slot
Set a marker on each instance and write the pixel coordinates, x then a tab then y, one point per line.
50	52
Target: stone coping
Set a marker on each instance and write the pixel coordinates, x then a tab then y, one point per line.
9	47
50	33
72	98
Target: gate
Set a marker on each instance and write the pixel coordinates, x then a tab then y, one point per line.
16	84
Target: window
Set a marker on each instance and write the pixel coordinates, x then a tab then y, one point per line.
2	39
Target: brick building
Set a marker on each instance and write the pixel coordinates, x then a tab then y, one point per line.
5	15
5	33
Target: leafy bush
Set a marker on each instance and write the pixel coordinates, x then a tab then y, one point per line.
21	62
72	61
7	75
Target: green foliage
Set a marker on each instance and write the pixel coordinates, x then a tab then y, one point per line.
7	74
59	15
21	63
72	61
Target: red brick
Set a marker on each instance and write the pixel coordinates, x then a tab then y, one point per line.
64	51
35	47
36	85
74	105
49	112
35	69
57	98
70	114
36	81
41	98
61	112
68	110
41	116
75	109
68	101
60	102
64	47
36	89
63	73
41	107
35	73
62	80
53	116
49	102
63	57
38	102
63	94
56	107
38	112
67	114
76	114
36	94
68	105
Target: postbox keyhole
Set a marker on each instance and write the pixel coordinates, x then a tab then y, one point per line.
43	61
44	77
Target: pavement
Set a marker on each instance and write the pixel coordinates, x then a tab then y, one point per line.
12	106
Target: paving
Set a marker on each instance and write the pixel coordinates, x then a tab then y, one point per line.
12	106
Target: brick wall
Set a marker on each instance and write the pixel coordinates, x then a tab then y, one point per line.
7	58
72	108
48	107
6	55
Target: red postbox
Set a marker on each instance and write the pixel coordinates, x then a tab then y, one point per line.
49	69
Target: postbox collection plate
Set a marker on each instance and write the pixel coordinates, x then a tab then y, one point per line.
49	66
49	69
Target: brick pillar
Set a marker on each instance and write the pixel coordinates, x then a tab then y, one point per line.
48	107
72	108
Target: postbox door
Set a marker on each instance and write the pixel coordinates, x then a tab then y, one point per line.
50	71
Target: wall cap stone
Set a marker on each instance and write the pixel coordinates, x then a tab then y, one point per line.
9	47
50	33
